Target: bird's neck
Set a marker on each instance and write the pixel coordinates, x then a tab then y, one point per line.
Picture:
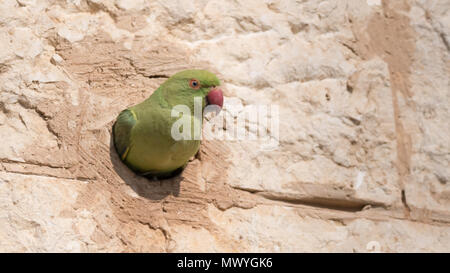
157	99
166	100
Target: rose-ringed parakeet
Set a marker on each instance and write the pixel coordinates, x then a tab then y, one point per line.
143	133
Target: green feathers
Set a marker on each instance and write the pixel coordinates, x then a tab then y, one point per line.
122	132
142	133
180	89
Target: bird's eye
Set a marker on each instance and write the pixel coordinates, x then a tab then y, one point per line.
194	84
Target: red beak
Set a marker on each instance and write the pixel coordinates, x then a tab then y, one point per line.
215	96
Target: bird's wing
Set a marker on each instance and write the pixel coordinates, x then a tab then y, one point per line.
122	132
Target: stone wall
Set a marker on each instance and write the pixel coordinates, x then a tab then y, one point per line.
364	152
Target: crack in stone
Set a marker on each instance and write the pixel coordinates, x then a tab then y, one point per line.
82	179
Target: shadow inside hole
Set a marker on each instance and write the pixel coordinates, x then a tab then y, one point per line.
143	186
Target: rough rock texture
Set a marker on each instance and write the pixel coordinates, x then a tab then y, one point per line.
364	145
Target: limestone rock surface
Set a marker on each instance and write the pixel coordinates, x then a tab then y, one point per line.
358	161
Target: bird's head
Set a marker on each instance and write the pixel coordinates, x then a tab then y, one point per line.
185	86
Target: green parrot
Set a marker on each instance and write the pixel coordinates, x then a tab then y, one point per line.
143	133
